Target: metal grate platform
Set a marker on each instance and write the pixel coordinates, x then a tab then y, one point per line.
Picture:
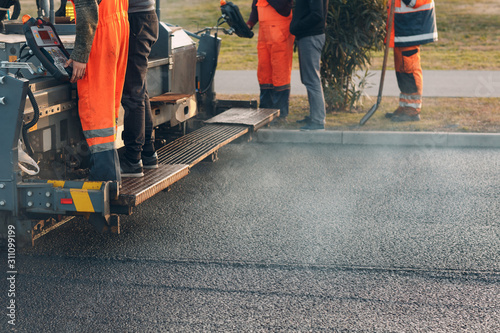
178	156
256	118
137	190
196	146
175	159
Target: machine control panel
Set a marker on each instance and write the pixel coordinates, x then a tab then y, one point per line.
47	47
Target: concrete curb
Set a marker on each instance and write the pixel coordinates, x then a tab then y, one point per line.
417	139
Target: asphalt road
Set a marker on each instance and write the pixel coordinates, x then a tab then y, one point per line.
288	238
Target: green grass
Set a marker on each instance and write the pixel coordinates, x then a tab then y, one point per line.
438	115
469	34
469	39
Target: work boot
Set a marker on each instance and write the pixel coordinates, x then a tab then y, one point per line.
281	101
131	168
150	162
398	111
313	127
306	120
279	121
266	98
105	166
405	117
406	114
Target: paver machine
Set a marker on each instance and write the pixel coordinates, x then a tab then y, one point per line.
44	157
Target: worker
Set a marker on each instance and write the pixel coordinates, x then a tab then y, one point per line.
274	51
99	61
138	122
414	25
309	25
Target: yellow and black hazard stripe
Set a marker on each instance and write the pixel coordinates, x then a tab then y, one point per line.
83	196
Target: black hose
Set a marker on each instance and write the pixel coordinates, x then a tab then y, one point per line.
6	4
20	58
16	11
26	127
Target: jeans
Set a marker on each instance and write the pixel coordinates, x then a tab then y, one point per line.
310	49
138	124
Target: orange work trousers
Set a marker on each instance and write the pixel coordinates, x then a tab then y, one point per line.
409	77
100	90
275	49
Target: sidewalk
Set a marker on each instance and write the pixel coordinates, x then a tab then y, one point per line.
436	84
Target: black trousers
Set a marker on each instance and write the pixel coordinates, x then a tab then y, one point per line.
138	124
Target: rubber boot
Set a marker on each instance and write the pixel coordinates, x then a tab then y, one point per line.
266	98
281	101
398	111
105	166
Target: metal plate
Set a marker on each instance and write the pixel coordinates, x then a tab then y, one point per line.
196	146
256	118
136	190
175	160
169	98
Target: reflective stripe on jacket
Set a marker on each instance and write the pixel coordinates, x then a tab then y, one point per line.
414	24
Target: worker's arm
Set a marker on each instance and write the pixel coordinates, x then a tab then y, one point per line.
254	15
87	16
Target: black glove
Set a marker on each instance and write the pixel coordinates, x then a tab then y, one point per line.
407	2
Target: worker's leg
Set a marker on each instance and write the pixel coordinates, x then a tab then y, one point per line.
281	100
410	80
100	90
264	67
275	50
96	108
149	140
281	60
137	118
309	49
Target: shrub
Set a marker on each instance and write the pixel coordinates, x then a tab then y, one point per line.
354	29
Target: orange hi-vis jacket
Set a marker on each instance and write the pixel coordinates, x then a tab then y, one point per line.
414	24
275	48
100	90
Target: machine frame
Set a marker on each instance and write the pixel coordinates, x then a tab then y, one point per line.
42	112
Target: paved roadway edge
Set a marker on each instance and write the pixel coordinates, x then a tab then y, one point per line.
383	138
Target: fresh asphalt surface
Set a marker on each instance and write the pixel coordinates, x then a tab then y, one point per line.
289	238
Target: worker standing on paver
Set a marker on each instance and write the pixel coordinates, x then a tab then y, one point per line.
138	121
99	62
414	25
275	52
